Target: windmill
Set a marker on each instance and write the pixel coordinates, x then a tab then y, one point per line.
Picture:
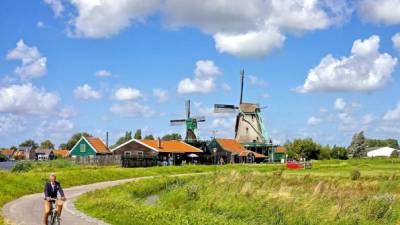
249	128
191	124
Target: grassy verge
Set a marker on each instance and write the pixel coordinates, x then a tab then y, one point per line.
255	195
16	184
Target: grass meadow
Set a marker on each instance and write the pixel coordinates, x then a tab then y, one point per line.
30	176
260	194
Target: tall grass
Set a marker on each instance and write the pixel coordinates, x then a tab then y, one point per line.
16	184
255	195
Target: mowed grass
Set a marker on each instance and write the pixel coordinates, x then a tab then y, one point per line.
14	185
257	195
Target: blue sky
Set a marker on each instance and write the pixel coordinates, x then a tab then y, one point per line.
156	54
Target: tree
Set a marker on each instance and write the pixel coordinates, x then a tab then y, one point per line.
338	153
138	134
173	136
303	148
14	148
47	144
123	139
395	154
325	152
393	143
149	137
357	147
72	141
29	143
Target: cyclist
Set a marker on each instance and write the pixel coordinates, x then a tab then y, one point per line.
51	189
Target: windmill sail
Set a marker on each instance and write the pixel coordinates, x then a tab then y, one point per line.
222	108
177	122
200	119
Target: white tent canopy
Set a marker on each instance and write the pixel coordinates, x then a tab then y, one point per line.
384	151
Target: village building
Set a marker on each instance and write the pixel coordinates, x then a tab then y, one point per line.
381	152
156	152
279	155
25	153
230	151
89	146
61	153
8	153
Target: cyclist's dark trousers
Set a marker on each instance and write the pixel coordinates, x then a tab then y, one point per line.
47	207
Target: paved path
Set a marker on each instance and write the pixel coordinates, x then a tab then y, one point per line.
28	210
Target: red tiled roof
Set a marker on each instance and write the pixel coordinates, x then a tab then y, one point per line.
7	152
98	144
171	146
64	153
233	146
280	149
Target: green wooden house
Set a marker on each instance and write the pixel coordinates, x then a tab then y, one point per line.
279	154
89	146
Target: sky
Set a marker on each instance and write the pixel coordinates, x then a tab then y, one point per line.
323	69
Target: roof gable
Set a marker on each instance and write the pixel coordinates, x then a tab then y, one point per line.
235	147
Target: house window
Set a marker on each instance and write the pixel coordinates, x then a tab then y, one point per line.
127	154
140	155
83	147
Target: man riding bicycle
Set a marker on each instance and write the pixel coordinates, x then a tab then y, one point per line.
51	189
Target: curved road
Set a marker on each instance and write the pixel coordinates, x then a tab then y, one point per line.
28	210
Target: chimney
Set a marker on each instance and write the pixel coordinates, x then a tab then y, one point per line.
159	142
107	139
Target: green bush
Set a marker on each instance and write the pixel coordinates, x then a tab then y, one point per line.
26	166
3	157
355	175
23	166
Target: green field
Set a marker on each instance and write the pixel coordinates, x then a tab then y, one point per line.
16	184
258	195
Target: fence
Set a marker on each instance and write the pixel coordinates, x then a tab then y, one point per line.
99	160
133	162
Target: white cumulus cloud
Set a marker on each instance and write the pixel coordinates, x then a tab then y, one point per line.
314	121
104	18
256	28
103	73
340	104
56	6
252	28
161	94
366	69
380	11
393	114
27	99
203	81
127	94
396	41
33	64
86	92
252	44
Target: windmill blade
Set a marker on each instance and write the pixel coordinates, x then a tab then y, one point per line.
222	108
177	122
200	119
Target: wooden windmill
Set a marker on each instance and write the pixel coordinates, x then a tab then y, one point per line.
249	128
191	124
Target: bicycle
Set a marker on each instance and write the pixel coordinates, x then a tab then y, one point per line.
53	219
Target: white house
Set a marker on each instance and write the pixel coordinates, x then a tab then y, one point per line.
383	151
